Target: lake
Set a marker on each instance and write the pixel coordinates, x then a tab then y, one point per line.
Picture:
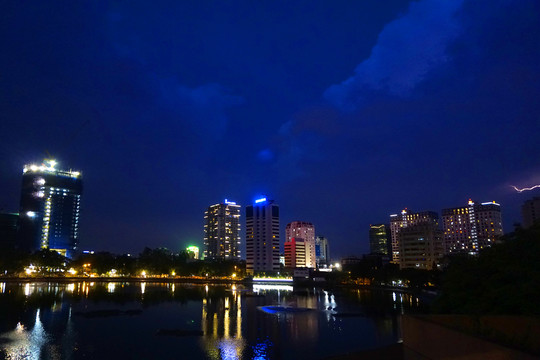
156	320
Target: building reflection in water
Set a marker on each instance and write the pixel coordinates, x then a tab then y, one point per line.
273	333
222	326
41	324
257	288
71	287
233	325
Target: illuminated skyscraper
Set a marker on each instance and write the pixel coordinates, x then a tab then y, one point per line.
403	220
295	253
322	250
49	210
222	231
378	239
468	229
530	212
303	230
262	236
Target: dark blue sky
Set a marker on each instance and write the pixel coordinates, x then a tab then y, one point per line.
343	112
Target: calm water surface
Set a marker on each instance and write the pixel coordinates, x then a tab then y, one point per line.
121	320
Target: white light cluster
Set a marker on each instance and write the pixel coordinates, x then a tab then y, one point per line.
49	166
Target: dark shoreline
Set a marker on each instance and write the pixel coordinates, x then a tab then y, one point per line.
122	279
186	280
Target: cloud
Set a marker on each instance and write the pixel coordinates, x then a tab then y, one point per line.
407	49
204	107
266	155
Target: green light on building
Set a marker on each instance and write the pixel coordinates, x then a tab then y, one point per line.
193	250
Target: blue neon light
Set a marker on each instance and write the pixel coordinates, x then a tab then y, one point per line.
260	200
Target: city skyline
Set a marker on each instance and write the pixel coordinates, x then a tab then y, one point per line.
342	113
225	216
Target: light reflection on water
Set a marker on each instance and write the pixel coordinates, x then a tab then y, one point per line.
23	343
232	325
110	287
143	288
222	327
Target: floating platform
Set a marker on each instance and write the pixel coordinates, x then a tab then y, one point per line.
283	309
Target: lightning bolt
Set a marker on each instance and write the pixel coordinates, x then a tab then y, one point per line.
525	189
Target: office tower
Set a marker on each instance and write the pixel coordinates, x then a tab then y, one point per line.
8	230
262	237
193	252
295	253
49	209
378	239
420	245
468	229
303	230
322	251
530	212
222	231
403	220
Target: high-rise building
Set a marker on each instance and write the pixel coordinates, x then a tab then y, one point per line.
322	251
530	212
8	230
262	237
378	239
420	245
468	229
303	230
49	209
295	253
403	220
222	231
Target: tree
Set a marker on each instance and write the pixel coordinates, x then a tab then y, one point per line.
503	279
48	259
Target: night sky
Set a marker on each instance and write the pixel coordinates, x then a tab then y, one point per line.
344	112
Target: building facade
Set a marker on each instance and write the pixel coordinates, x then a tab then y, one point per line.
222	238
469	229
295	253
378	239
303	230
262	237
50	208
322	251
421	246
405	219
8	230
530	212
